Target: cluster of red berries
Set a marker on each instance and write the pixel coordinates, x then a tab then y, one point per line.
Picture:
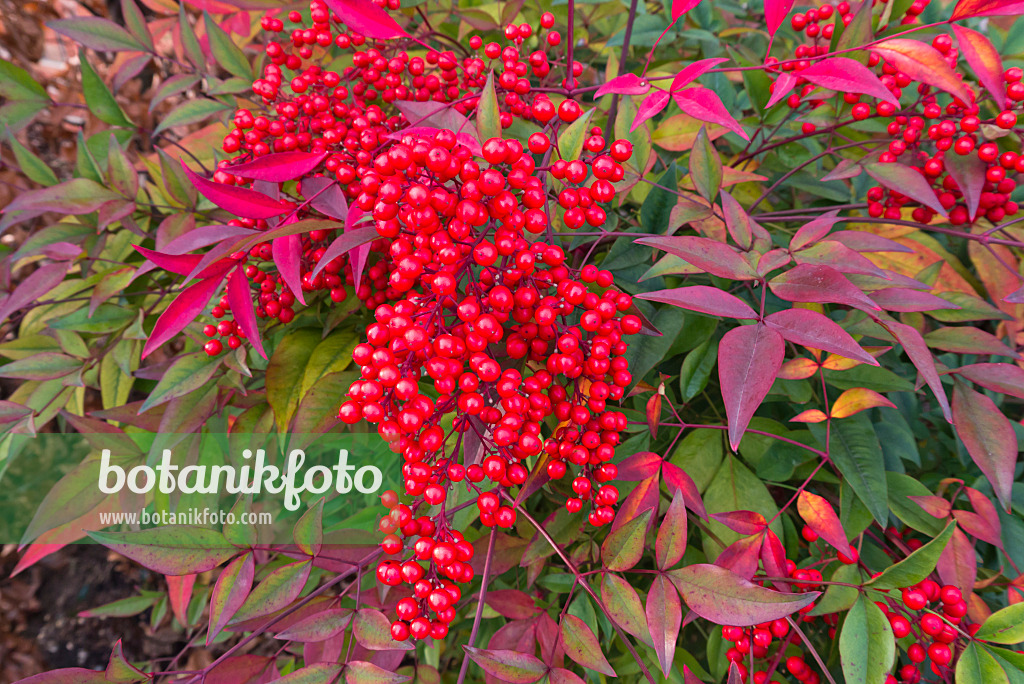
931	634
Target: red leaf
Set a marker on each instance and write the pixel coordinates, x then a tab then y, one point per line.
783	86
639	466
814	230
965	9
742	522
654	414
820	517
287	253
345	243
989	438
179	590
326	196
1006	378
626	84
708	300
838	256
182	311
979	527
984	60
773	556
694	70
904	299
968	170
725	598
681	7
239	201
229	593
240	299
677	479
279	167
845	75
863	241
741	556
775	12
664	615
906	181
582	646
704	105
671	541
184	264
33	287
958	564
923	63
363	16
935	506
748	359
716	258
772	260
922	359
819	284
651	106
811	329
67	675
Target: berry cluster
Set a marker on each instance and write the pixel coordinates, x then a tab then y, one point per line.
929	635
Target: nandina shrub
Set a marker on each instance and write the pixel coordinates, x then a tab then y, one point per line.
699	309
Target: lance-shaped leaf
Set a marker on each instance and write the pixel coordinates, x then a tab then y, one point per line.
367	18
967	340
855	451
580	644
97	33
651	105
240	299
230	592
923	63
345	243
1004	626
741	556
922	359
856	400
716	258
705	166
326	196
76	196
624	547
742	522
845	75
816	331
989	437
488	117
372	630
279	167
624	605
626	84
915	567
965	9
507	665
748	359
704	105
239	201
782	87
904	299
814	230
681	7
704	299
958	563
775	12
172	549
277	590
287	253
984	60
819	284
664	615
694	70
1006	378
677	479
968	170
318	626
906	181
725	598
670	544
319	673
820	517
182	311
33	288
867	647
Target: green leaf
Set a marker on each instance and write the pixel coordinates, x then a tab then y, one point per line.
17	84
126	607
97	33
838	598
977	666
309	530
915	567
107	318
901	488
34	168
120	170
224	50
186	374
623	604
623	548
867	647
705	166
115	384
46	366
1005	626
488	121
172	549
696	369
190	112
508	666
372	630
286	371
655	211
135	21
277	590
332	355
582	646
320	673
189	42
855	450
570	140
98	97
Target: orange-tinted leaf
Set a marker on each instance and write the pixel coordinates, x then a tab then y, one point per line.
179	590
856	400
923	63
798	369
654	414
966	9
984	60
742	522
820	517
809	416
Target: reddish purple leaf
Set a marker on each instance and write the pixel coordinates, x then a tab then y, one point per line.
748	359
814	230
240	299
582	646
704	105
670	544
958	564
182	264
845	75
922	359
1006	378
182	311
968	170
716	258
965	9
1015	297
708	300
741	556
904	299
681	7
651	106
677	479
979	527
639	466
97	33
772	260
838	256
67	675
626	84
863	241
967	340
935	506
775	12
512	603
816	331
239	201
694	70
906	181
326	196
742	522
229	593
508	665
984	60
782	87
287	253
773	556
664	615
362	16
725	598
346	242
279	167
987	512
819	284
33	287
989	438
